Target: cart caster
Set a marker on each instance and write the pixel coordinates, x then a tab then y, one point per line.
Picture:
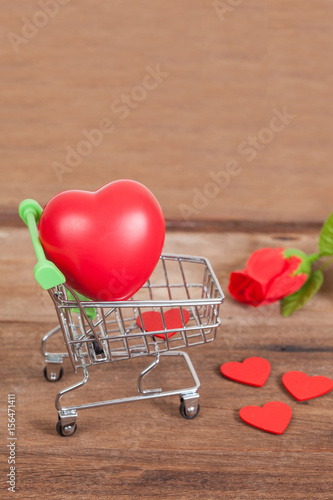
66	425
98	350
189	407
53	372
67	430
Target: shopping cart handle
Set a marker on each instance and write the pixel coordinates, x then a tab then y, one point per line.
46	273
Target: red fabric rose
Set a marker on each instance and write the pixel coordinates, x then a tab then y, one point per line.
270	275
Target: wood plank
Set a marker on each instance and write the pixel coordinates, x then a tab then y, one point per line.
226	76
146	450
226	251
10	218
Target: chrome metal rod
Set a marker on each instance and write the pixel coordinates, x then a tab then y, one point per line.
46	337
96	404
144	373
71	388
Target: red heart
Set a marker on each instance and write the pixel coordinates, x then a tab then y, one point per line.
273	417
108	242
303	387
253	371
152	321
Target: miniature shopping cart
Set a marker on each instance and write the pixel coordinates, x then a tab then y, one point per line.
103	332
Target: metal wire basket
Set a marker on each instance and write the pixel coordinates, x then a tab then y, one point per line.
101	332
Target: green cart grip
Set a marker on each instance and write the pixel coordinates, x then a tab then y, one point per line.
46	273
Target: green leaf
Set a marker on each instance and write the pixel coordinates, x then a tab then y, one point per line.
305	264
296	300
326	237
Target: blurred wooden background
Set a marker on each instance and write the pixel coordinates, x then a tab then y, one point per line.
224	110
227	69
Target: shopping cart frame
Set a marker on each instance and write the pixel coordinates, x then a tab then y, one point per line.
98	332
67	415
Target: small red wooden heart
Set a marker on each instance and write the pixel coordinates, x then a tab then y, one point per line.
253	371
303	387
152	321
273	417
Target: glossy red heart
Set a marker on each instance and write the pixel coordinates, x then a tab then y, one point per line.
252	371
302	387
273	417
152	321
108	242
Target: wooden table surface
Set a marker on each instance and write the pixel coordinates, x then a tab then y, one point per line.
227	75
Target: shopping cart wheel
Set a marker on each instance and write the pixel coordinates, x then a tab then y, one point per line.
97	348
189	411
67	430
53	375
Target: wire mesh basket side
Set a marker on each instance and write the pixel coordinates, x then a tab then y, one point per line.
99	332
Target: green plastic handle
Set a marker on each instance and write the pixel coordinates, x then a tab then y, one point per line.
46	273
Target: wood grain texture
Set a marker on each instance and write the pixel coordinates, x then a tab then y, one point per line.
146	449
227	73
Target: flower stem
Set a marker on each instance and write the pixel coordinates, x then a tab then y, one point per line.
313	257
326	264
